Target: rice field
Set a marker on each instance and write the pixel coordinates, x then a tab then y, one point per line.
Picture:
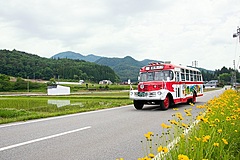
15	108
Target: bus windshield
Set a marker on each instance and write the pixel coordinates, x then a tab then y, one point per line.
156	76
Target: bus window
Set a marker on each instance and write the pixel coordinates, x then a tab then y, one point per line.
150	76
191	76
171	75
177	77
163	75
143	77
159	76
195	76
187	75
182	75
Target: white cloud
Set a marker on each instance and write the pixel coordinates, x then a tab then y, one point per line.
179	31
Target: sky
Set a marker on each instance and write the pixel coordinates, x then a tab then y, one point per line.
180	31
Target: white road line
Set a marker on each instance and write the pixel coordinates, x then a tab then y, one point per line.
43	138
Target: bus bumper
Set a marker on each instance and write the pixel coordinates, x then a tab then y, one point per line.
153	95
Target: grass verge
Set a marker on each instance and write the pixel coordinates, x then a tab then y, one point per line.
214	135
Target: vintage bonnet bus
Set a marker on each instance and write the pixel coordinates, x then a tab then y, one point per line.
165	84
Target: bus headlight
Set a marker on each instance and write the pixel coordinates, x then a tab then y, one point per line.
159	92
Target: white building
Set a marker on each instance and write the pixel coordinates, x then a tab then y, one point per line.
105	82
58	90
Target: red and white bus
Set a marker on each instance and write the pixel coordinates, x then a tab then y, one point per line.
165	84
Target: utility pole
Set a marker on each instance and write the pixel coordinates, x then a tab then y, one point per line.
27	83
237	34
234	72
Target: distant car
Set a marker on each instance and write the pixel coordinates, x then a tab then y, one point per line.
81	81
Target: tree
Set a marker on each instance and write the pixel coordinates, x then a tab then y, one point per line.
225	78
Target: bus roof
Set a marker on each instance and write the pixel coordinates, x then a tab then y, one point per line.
165	66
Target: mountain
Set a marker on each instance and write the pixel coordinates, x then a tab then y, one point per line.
126	68
73	55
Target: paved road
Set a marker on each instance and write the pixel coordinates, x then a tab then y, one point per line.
104	135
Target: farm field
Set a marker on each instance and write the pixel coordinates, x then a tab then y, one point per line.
22	108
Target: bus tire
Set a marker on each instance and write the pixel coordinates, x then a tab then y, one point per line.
164	105
138	104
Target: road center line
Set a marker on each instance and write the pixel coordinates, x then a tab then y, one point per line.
43	138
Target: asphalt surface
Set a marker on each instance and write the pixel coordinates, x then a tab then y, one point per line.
103	135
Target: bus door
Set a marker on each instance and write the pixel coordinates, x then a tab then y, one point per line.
177	86
182	85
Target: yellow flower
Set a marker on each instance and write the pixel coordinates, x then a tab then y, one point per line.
219	130
216	144
198	139
120	159
228	118
148	135
175	109
145	158
188	113
200	118
200	106
182	135
238	110
191	104
179	116
217	120
182	157
224	141
184	125
206	138
205	120
234	117
209	110
236	130
151	155
160	148
165	149
173	122
165	126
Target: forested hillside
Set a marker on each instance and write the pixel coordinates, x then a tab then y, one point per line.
126	68
73	55
25	65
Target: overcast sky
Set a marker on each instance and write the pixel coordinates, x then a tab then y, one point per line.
180	31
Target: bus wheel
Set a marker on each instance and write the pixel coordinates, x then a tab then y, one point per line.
138	104
165	103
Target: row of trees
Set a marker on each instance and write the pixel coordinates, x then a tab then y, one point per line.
21	64
224	75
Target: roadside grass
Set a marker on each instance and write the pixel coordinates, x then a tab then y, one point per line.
15	108
213	134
